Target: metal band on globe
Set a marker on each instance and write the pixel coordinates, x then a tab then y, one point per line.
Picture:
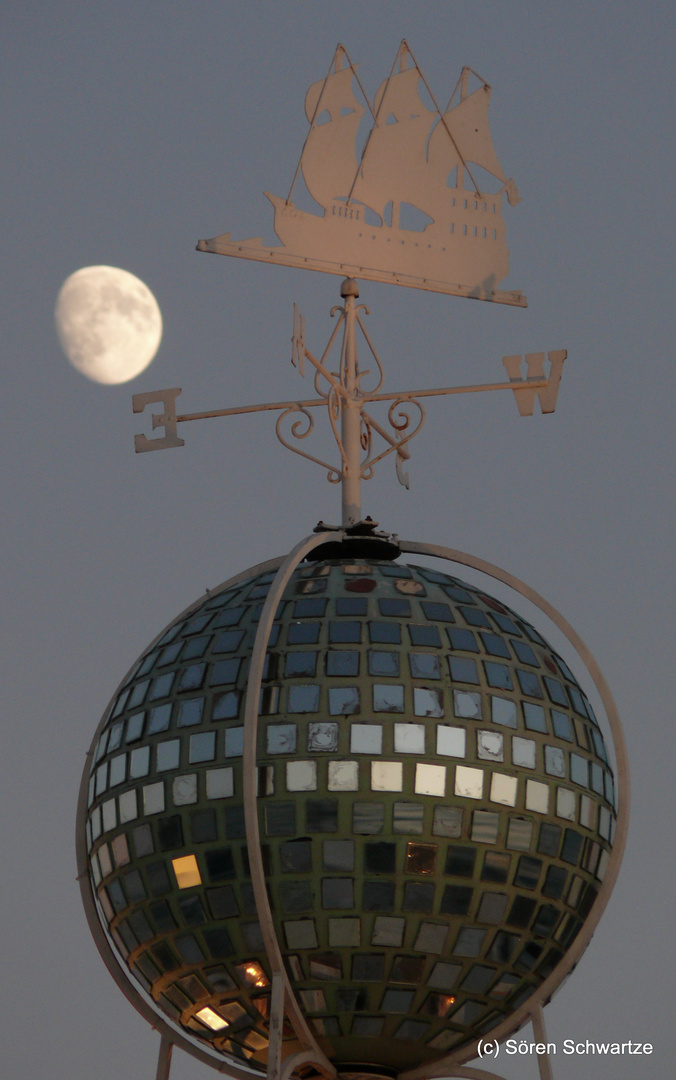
291	1007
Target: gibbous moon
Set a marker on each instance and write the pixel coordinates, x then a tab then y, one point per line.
109	323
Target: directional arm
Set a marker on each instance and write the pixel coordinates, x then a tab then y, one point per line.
349	404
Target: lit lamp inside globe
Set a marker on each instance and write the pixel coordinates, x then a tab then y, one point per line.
434	811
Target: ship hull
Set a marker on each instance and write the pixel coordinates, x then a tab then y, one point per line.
467	250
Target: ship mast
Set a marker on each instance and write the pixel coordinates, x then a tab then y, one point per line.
464	78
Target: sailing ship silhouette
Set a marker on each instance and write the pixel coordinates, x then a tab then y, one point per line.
408	208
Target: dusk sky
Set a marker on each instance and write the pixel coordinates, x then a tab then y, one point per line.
132	129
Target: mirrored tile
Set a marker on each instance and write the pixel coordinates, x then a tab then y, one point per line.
220	783
503	789
565	804
409	739
523	752
344	700
301	775
503	711
430	779
407	818
469	782
555	761
387	775
388	931
447	821
343	776
519	834
485	825
388	697
427	702
537	797
451	741
322	737
366	739
281	738
466	704
490	745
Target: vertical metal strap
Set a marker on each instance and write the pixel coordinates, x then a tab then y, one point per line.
164	1059
275	1027
291	1007
544	1064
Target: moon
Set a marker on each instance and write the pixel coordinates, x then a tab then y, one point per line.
108	322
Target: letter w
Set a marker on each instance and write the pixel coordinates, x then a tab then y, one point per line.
535	364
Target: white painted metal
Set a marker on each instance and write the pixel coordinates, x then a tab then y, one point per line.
253	249
350	412
540	1033
519	387
345	399
166	420
407	210
535	365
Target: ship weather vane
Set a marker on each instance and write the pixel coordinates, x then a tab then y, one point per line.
416	164
406	208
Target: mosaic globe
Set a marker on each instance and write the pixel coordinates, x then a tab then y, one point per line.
435	808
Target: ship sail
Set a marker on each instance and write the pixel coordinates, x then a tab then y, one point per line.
329	161
410	152
395	155
468	124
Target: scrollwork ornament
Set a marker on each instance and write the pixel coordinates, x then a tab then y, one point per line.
401	421
300	429
374	354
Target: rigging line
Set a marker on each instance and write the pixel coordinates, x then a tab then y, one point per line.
476	74
443	120
455	90
375	115
359	83
479	77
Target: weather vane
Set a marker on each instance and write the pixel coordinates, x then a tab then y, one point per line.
351	818
407	210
